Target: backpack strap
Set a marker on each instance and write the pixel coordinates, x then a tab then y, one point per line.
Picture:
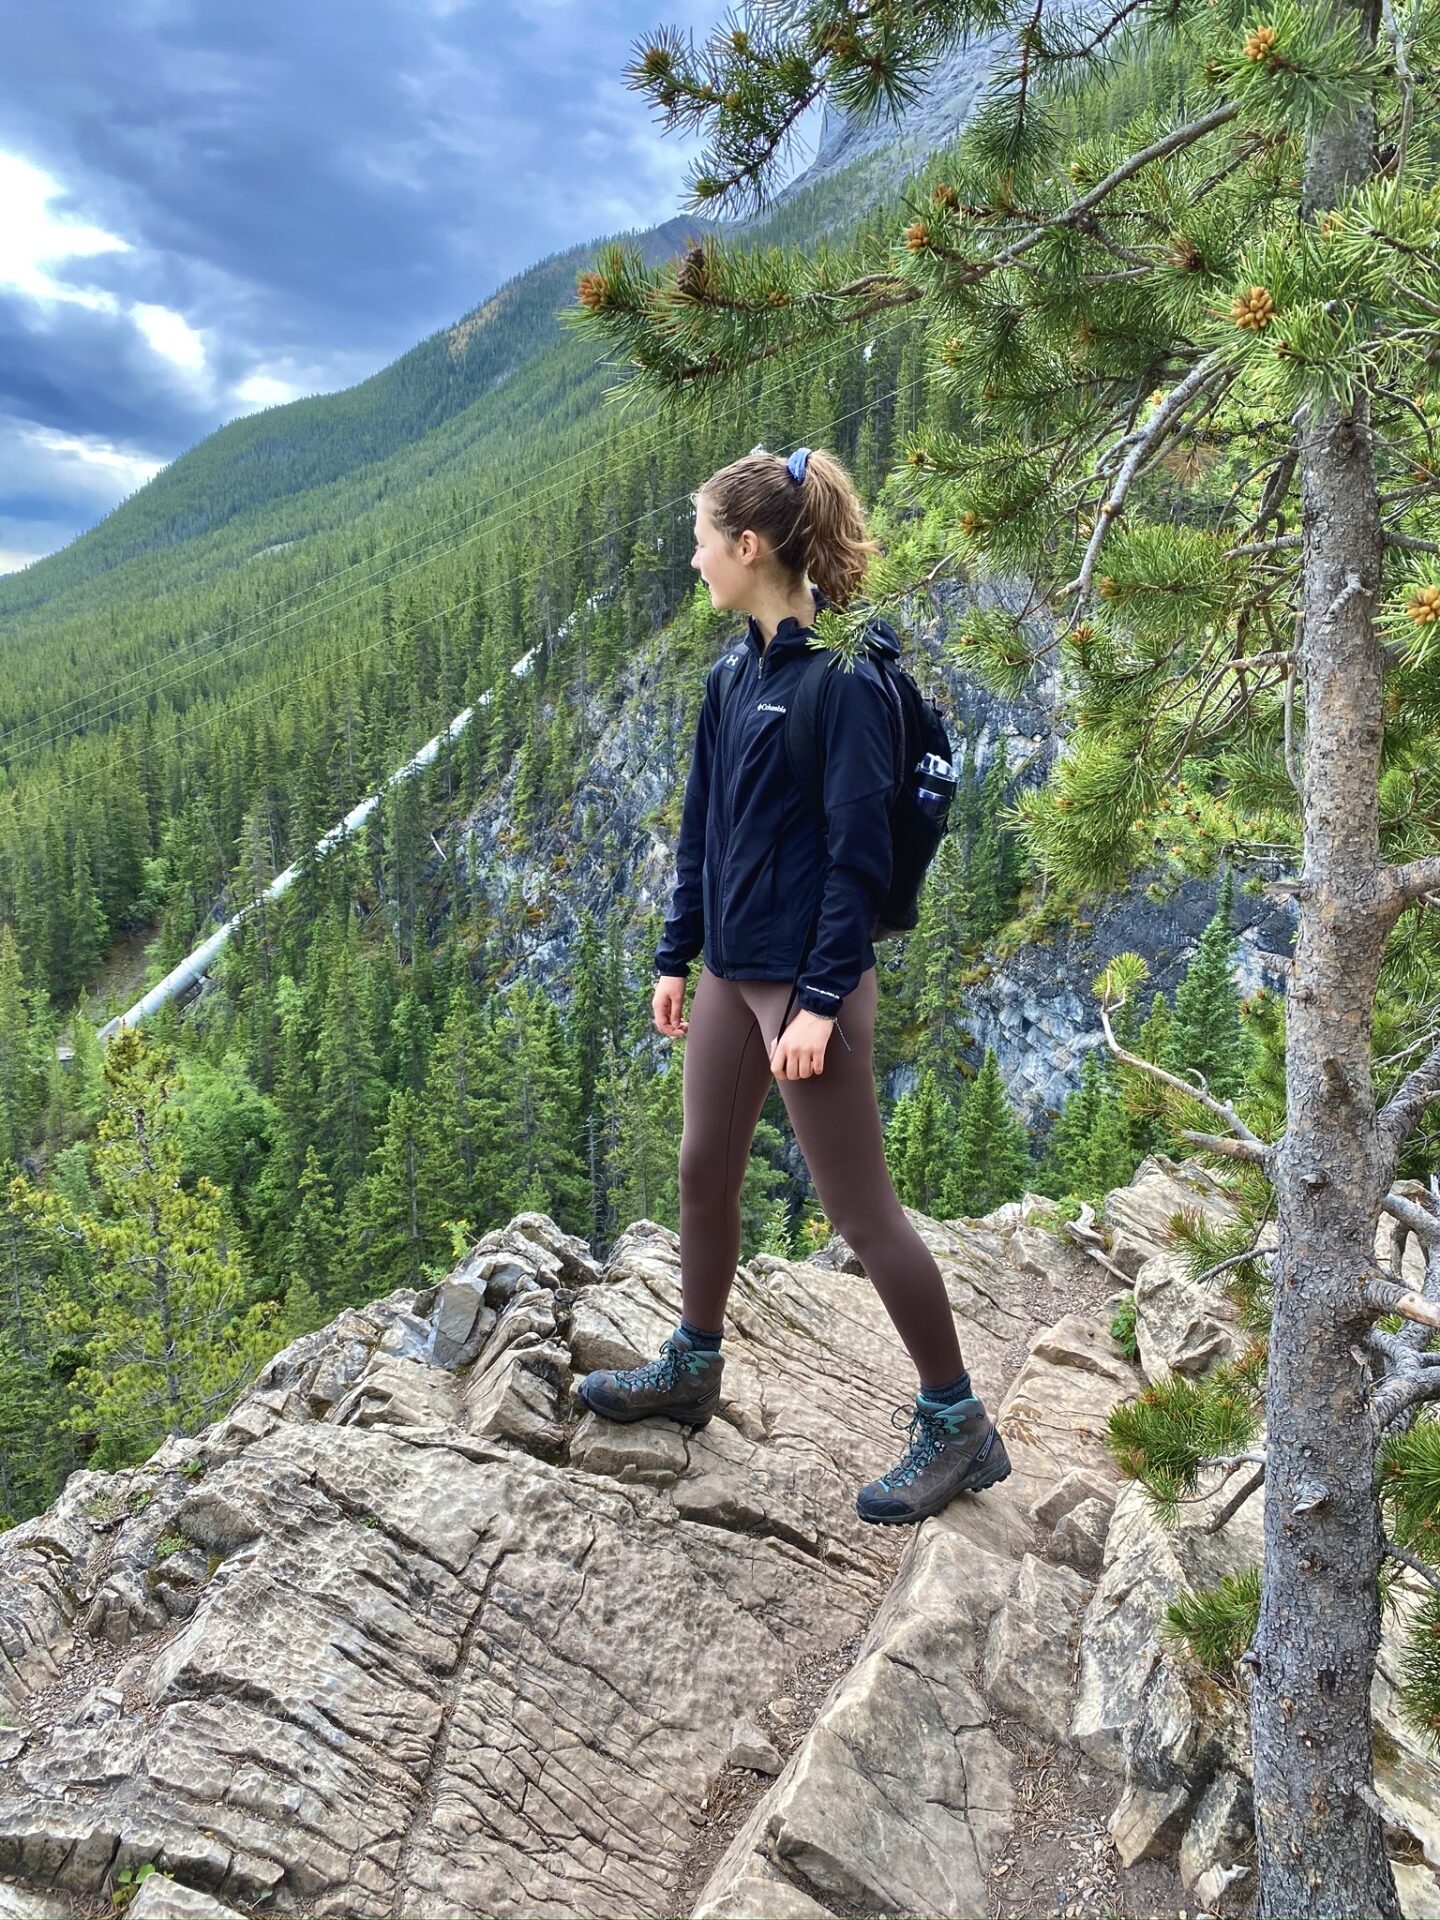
803	744
803	735
733	662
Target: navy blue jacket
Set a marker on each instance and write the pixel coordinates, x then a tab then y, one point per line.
753	857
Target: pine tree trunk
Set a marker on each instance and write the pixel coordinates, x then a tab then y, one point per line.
1321	1847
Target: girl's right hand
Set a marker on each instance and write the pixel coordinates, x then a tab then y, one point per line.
668	1004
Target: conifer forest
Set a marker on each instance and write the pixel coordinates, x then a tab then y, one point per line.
1137	377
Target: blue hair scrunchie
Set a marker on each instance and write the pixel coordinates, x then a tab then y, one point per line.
796	464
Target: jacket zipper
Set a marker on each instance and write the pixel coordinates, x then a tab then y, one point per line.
720	877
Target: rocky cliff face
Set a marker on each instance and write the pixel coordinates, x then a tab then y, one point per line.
947	102
405	1634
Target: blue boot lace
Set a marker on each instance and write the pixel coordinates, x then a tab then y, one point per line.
658	1373
927	1437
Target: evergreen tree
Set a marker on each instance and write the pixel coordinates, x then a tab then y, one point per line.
642	1150
303	1312
21	1084
1138	1089
168	1338
1091	1148
935	957
315	1246
533	1091
992	1155
87	931
397	1235
455	1164
920	1145
349	1090
1135	442
992	859
1205	1034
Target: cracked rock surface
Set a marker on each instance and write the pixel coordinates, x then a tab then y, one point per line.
406	1632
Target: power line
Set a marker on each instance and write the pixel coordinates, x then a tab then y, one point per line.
128	693
260	625
234	706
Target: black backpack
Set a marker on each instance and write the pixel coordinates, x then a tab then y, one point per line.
915	832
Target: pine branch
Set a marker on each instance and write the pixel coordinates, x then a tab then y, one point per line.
1425	1226
1407	84
1257	1155
1415	1092
1387	1296
1415	1566
1161	150
1403	1392
1154	432
1253	547
1237	1500
1254	1147
1411	885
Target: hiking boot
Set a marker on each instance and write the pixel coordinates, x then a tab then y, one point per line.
953	1449
681	1383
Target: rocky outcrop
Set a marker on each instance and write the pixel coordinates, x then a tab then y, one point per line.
410	1632
402	1629
899	1797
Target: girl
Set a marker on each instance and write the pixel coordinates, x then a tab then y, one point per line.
757	873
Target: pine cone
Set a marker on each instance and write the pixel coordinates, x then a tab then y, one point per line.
917	236
945	196
1253	310
594	291
1260	44
693	278
1425	606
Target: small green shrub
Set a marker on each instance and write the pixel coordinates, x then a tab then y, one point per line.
1122	1328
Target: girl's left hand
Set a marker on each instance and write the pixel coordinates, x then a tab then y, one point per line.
799	1052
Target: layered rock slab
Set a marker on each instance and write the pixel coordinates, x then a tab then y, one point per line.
899	1797
431	1638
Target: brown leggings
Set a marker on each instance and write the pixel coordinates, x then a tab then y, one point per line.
836	1119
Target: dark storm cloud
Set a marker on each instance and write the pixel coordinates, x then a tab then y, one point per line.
293	194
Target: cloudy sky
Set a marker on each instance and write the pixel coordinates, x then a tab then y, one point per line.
208	206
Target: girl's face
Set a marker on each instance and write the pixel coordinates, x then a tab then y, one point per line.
727	567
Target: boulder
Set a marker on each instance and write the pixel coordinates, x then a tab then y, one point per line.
1161	1188
1030	1647
1147	1821
752	1748
834	1825
1180	1327
1221	1831
438	1637
1078	1538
